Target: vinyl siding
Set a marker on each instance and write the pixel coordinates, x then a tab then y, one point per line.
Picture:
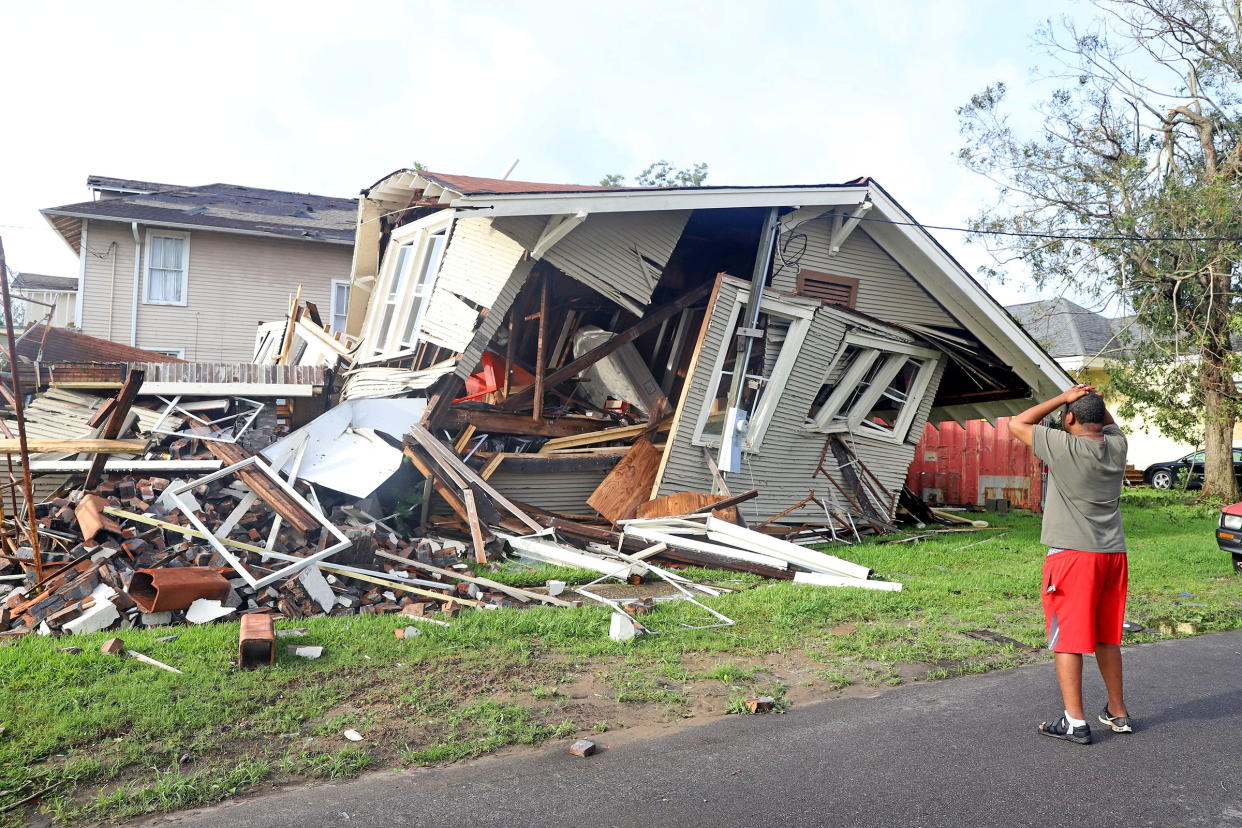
783	470
556	492
235	282
601	251
884	287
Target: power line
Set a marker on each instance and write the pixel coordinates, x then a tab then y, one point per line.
1069	236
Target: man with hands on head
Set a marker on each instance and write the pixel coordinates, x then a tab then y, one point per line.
1085	573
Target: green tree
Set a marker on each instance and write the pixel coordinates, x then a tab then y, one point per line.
1137	159
662	174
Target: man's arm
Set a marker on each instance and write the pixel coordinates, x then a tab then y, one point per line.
1021	425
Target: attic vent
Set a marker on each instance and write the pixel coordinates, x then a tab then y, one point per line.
196	211
837	290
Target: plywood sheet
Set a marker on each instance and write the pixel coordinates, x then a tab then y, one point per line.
683	503
628	484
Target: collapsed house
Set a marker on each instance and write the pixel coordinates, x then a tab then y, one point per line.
621	380
540	319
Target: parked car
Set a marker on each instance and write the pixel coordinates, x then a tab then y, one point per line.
1229	533
1169	474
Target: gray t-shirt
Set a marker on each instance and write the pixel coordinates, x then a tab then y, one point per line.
1083	505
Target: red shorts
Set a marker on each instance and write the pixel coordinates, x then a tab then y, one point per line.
1084	599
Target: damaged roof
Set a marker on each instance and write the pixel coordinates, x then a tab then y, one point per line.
44	344
223	207
42	281
133	185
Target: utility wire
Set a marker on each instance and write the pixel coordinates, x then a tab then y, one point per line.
1077	237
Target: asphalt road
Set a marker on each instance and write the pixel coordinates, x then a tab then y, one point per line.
951	753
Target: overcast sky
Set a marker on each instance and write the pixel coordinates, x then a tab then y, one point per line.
329	97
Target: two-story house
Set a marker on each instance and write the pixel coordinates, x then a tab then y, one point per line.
191	271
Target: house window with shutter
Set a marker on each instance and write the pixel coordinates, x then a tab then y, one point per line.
838	290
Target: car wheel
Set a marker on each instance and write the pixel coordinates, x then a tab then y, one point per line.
1162	479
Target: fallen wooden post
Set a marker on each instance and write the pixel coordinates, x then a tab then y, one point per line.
39	445
118	412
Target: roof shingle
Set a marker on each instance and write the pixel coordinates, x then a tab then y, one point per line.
44	344
230	207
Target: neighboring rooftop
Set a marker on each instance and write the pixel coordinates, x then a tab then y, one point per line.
41	281
43	344
1066	329
222	207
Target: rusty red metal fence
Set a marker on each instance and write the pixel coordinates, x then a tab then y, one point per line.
968	466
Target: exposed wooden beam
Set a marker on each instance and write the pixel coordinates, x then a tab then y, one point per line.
649	322
503	423
541	349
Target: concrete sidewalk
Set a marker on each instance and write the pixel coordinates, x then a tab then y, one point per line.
951	753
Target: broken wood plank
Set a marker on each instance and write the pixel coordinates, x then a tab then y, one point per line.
686	503
549	463
498	422
83	446
626	486
447	459
120	406
649	322
425	468
270	493
607	435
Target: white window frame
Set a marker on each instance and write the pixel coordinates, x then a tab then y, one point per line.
417	235
179	353
333	312
826	421
153	232
800	317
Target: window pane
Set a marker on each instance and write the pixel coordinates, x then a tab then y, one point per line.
848	357
384	326
860	390
433	251
430	264
401	271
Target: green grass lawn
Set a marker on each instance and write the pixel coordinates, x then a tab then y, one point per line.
103	738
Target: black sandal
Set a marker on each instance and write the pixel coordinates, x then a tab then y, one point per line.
1059	728
1119	724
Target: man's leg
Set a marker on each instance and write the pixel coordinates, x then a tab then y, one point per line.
1069	676
1108	659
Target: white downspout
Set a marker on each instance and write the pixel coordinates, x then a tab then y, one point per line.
133	316
77	310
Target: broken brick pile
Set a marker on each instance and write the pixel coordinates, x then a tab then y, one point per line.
100	548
